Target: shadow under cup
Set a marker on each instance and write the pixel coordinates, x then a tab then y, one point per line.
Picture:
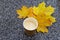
30	25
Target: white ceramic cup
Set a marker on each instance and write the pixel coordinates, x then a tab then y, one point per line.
30	25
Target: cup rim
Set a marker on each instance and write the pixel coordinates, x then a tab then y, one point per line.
33	20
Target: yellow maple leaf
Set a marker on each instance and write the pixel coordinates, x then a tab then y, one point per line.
43	15
23	12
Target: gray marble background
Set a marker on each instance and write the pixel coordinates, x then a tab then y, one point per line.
11	27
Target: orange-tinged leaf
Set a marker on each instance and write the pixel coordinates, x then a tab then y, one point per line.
30	12
52	19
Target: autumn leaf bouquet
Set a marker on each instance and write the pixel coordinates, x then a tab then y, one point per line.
42	13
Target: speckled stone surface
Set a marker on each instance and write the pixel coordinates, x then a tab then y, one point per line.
11	27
